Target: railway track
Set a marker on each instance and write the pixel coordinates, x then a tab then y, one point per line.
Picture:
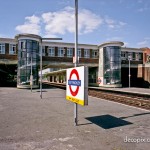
124	99
131	99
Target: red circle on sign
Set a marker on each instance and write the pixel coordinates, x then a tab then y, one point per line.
74	93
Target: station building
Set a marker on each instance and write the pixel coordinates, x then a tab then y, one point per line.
109	63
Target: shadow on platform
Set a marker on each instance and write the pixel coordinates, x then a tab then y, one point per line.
42	91
108	121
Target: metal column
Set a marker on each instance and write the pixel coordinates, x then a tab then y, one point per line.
76	57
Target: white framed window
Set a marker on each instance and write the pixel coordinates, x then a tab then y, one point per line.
51	51
12	49
86	53
69	52
130	55
79	53
94	53
123	55
43	50
2	48
136	56
61	52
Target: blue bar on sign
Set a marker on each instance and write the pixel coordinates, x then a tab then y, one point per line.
74	82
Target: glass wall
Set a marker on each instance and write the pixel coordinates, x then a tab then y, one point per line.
28	60
112	65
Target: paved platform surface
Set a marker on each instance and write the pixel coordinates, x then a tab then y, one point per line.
145	91
30	123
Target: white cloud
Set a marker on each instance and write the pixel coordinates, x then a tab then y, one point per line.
31	25
89	21
110	22
114	24
143	7
122	23
64	2
62	21
116	38
144	43
126	44
2	35
51	24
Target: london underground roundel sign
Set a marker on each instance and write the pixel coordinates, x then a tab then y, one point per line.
77	85
77	82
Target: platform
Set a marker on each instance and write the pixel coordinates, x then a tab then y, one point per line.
28	122
142	91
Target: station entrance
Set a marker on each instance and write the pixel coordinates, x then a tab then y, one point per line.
8	75
134	80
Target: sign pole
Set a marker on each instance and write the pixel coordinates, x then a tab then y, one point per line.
76	56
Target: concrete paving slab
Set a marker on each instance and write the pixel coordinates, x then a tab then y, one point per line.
30	123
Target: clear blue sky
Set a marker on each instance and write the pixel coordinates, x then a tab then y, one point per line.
99	20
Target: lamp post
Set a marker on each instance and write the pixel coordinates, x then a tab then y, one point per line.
129	58
76	58
31	76
41	72
41	61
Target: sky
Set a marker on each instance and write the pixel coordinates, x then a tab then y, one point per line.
99	20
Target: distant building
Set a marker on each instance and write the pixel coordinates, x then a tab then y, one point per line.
108	62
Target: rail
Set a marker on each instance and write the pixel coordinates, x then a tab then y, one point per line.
132	99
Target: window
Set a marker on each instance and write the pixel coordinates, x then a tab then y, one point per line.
12	49
69	52
79	53
35	45
130	55
29	44
2	48
51	51
23	44
60	51
94	53
123	55
43	50
86	53
136	56
140	56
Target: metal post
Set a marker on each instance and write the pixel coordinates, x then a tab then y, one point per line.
41	71
129	73
31	80
76	57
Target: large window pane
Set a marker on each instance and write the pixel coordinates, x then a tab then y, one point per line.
60	52
2	48
112	64
28	58
69	52
51	51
